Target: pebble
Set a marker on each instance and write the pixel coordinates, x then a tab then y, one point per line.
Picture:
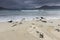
37	31
41	35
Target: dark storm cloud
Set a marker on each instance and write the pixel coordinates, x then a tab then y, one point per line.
16	4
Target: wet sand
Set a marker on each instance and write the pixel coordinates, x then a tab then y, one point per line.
30	30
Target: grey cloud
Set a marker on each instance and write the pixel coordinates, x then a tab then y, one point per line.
17	4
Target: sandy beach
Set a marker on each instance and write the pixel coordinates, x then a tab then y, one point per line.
31	30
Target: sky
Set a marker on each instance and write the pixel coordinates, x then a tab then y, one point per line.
18	4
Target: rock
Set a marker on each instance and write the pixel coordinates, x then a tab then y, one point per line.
42	18
44	21
10	21
41	35
37	31
14	25
20	23
57	30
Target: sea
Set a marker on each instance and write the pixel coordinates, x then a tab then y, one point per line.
17	15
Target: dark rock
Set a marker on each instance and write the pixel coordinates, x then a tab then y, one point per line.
14	25
41	35
10	21
42	18
37	31
44	21
20	23
57	30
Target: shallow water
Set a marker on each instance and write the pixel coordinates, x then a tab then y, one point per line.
29	14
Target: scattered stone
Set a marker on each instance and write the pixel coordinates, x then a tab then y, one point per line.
57	30
42	18
44	21
10	21
37	31
41	35
14	25
20	23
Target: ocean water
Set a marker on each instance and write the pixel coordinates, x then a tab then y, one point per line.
17	15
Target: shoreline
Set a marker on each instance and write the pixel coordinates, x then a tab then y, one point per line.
19	18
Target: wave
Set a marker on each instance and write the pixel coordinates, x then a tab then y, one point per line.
27	18
28	14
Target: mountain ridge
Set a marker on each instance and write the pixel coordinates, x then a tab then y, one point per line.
43	7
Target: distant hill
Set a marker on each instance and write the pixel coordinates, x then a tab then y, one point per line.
43	7
49	7
2	8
